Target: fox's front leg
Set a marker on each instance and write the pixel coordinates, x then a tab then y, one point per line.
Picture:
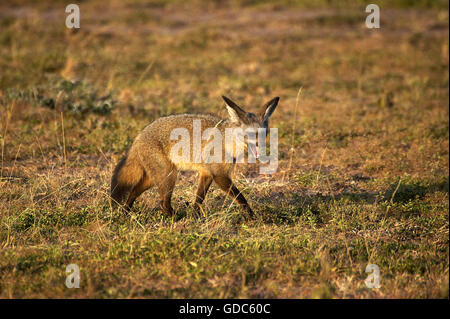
228	187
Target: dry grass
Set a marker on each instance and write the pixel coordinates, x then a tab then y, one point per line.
368	180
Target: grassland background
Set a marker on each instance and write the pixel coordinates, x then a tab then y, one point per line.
371	122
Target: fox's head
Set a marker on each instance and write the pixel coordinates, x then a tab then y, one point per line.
251	122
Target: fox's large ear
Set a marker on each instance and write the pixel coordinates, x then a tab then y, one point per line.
269	107
235	112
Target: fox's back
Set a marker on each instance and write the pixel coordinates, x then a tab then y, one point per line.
160	129
155	139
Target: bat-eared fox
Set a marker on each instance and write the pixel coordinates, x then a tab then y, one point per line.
149	161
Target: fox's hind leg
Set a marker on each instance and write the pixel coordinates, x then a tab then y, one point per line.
204	182
126	176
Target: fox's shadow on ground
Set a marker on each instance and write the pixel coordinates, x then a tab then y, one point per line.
282	207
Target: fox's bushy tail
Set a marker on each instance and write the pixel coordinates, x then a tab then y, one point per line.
127	174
